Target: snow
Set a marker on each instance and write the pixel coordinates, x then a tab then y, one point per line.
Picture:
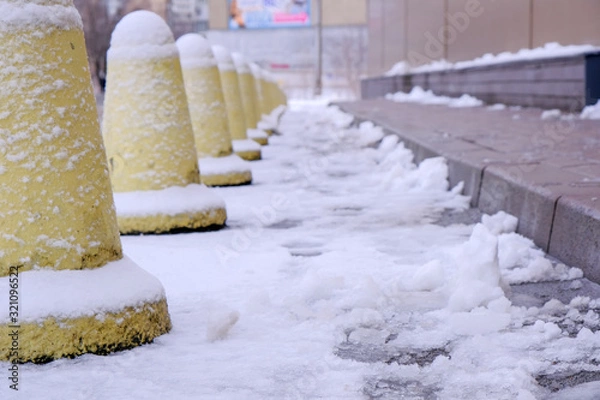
74	294
173	200
195	51
223	165
223	57
245	145
549	50
337	244
418	95
142	35
241	65
25	14
591	112
257	134
271	120
550	114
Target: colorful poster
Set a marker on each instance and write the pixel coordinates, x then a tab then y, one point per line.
259	14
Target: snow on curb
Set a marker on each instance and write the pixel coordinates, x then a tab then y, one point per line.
418	95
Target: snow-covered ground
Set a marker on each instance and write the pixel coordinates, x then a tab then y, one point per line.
331	276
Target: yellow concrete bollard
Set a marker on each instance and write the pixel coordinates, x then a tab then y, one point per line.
242	146
59	231
218	165
149	135
270	110
248	96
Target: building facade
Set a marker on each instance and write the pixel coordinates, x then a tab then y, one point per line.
420	31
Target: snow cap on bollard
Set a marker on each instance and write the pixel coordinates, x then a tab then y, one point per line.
248	96
242	146
59	230
148	133
219	166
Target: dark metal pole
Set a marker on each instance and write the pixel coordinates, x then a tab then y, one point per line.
319	81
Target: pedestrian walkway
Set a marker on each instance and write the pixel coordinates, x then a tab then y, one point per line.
544	171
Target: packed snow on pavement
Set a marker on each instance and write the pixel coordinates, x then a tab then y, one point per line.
335	280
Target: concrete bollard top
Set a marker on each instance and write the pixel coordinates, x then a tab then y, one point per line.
195	51
142	35
24	14
240	63
224	59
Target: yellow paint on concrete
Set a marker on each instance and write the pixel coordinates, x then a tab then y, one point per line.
248	97
162	223
263	141
147	127
208	111
250	155
235	110
56	205
56	338
266	102
230	179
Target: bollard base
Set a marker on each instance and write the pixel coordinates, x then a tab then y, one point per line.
225	171
192	207
259	136
78	312
247	149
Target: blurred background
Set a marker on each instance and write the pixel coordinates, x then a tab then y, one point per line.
315	46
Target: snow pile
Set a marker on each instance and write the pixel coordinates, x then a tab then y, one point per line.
223	165
400	68
245	145
478	280
271	121
591	112
257	134
68	294
142	35
550	114
420	96
195	51
172	201
549	50
497	107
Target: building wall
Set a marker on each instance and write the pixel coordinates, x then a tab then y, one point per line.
493	27
572	21
343	12
157	6
421	31
218	14
335	12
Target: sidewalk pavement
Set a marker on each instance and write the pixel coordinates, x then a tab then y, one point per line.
546	172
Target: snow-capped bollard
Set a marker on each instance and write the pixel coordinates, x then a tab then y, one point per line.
59	233
218	165
248	96
148	133
242	146
268	99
